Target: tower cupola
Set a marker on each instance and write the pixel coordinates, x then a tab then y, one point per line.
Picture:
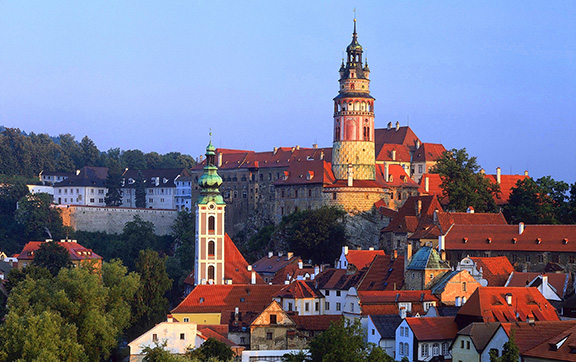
210	181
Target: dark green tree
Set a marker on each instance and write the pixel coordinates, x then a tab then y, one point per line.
510	352
114	185
140	191
314	234
90	153
212	349
153	160
463	183
151	304
72	151
158	353
295	357
137	235
39	219
53	257
134	159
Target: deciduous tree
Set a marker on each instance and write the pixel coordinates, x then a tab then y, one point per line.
53	257
39	219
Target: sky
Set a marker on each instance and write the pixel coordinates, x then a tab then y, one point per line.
495	77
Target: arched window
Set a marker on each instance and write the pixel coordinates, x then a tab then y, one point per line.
211	272
211	223
211	248
363	106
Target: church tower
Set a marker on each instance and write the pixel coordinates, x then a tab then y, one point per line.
209	259
353	147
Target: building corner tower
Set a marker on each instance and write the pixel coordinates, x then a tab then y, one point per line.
209	259
353	147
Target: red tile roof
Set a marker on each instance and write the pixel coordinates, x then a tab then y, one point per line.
489	303
76	251
507	182
291	272
338	279
299	289
557	238
273	264
362	258
433	328
406	220
559	281
315	322
403	136
496	269
209	332
384	273
428	152
533	339
399	177
304	171
236	267
396	296
385	153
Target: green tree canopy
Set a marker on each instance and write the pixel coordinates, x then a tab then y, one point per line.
114	186
464	184
211	350
39	218
53	257
140	191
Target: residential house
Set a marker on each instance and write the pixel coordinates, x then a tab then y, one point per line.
268	266
553	286
381	330
471	341
454	287
78	254
358	258
488	271
86	187
421	339
275	329
183	197
302	297
160	185
50	178
424	268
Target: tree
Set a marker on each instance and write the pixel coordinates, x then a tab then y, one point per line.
344	342
114	185
463	184
510	352
158	353
301	356
137	235
150	305
90	153
77	308
71	150
212	349
134	159
39	218
53	257
140	190
314	234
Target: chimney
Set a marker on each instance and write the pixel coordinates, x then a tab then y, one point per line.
526	173
389	125
275	150
321	155
77	172
408	253
457	301
403	312
393	155
482	172
300	264
508	298
316	270
350	175
280	253
397	125
249	267
253	279
427	184
371	248
418	207
289	255
417	144
395	254
345	250
498	175
544	279
520	228
297	147
442	246
236	314
220	159
169	318
386	173
270	254
470	210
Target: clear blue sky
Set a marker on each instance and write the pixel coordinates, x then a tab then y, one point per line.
496	77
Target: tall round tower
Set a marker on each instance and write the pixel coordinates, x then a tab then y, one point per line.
353	148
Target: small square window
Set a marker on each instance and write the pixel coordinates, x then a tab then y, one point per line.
182	336
155	337
269	336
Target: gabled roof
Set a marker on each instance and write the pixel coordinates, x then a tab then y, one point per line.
558	281
385	153
210	332
235	266
88	176
401	136
407	218
545	238
272	264
384	273
307	171
495	270
447	219
338	279
386	325
154	178
540	339
315	322
273	308
480	333
292	272
433	328
428	152
75	250
362	258
395	296
490	304
427	258
439	284
299	289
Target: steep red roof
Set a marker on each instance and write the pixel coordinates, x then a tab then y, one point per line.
385	153
496	269
533	338
209	332
433	328
75	250
396	296
407	220
362	258
299	289
397	177
236	267
557	238
490	304
559	281
507	182
428	152
384	273
315	322
293	271
338	279
272	264
447	219
307	171
401	136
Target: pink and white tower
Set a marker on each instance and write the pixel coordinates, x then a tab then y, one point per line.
353	147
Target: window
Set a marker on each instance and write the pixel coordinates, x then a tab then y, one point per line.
295	193
338	306
462	344
445	348
211	247
435	349
211	272
272	318
92	200
317	307
327	305
373	332
242	340
327	293
150	200
351	307
182	336
309	193
419	168
100	192
155	337
527	258
401	347
269	336
186	320
425	350
401	331
100	200
334	196
338	293
289	307
467	344
211	223
463	286
307	307
540	258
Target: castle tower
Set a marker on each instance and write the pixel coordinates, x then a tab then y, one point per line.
354	119
209	259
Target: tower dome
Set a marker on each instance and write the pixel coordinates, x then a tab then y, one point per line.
210	181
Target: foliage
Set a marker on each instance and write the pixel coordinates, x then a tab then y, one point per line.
137	235
53	257
75	315
39	218
343	342
314	234
114	187
301	356
258	243
158	353
150	304
510	352
140	191
544	201
212	349
90	153
463	183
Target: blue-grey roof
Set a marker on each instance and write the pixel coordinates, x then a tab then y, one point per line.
426	258
386	325
440	283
